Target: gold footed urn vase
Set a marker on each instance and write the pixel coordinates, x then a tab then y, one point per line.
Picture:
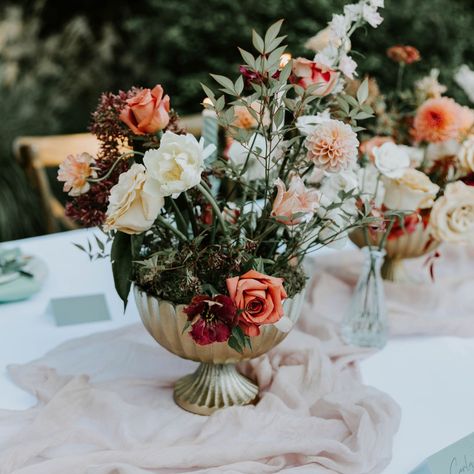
408	245
216	383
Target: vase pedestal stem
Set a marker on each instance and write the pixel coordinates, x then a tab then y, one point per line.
394	270
214	386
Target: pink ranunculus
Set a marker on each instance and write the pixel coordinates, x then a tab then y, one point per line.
290	205
307	73
259	298
147	112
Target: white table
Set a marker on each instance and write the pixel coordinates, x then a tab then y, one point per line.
431	378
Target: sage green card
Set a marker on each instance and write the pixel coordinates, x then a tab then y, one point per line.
79	309
457	458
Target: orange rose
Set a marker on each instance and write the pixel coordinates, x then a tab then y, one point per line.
147	111
307	73
403	54
259	299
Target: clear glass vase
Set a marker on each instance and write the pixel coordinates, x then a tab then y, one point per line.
365	323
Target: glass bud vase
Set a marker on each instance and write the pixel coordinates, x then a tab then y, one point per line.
365	323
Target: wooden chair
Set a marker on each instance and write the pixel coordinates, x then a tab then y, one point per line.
36	154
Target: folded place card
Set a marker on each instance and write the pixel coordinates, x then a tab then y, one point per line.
458	458
79	309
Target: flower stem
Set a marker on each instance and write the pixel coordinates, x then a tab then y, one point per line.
163	222
208	195
106	175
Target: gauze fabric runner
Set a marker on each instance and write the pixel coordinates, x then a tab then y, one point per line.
443	307
105	406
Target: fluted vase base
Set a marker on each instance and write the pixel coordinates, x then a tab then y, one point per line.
214	386
393	269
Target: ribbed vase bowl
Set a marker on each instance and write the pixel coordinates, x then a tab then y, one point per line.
216	383
409	245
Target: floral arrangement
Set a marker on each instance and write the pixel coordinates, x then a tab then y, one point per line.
417	156
225	231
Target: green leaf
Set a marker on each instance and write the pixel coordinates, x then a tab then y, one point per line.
121	257
223	81
258	42
234	344
187	324
208	92
239	85
247	57
279	116
239	335
100	244
80	247
363	91
272	33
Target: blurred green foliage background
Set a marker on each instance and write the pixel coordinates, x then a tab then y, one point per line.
56	57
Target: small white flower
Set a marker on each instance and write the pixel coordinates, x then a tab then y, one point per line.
391	160
307	123
371	15
353	12
347	66
465	79
177	164
327	57
339	25
429	86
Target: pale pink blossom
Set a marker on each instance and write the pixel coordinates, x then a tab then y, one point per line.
332	146
292	205
75	171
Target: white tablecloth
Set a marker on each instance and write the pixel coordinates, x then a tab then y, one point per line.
431	378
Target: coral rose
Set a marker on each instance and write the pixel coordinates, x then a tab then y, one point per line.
307	73
437	120
452	216
147	112
296	201
259	298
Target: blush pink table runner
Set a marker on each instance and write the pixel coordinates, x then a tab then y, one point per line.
105	407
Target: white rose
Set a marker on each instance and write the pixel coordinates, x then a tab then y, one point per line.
466	155
412	191
256	149
177	164
436	151
452	216
415	154
370	184
391	160
307	123
333	183
132	208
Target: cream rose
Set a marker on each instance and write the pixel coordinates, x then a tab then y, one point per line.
452	216
132	207
412	191
391	160
177	164
465	155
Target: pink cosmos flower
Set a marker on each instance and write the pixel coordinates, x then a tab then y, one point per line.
290	206
74	171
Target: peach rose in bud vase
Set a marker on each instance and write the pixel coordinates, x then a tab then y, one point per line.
307	73
452	216
412	191
132	207
258	298
296	201
74	171
147	112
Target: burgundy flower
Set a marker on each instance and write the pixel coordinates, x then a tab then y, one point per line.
213	318
254	76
